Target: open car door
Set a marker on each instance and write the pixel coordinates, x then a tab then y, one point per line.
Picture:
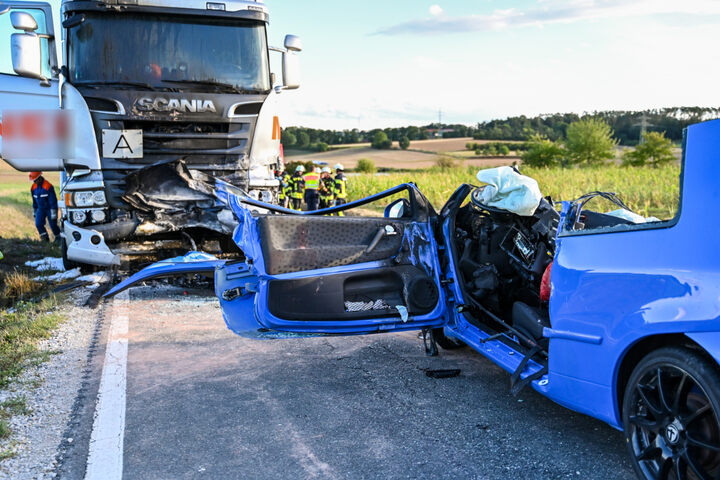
309	273
29	100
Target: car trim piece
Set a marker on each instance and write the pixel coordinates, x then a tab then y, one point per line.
577	337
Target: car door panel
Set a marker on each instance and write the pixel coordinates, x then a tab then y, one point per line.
355	295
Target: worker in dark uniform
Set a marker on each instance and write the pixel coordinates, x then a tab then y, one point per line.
327	189
297	188
312	185
284	194
340	187
45	206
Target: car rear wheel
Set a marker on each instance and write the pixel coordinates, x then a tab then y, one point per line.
670	416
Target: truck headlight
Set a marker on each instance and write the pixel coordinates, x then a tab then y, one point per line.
98	216
99	197
83	199
266	196
78	217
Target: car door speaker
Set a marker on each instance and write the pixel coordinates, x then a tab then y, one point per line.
422	295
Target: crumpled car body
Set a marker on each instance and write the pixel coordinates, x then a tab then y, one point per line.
618	289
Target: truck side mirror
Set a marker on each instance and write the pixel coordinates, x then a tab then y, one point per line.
293	43
291	63
291	71
25	47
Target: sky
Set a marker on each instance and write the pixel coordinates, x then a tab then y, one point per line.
373	63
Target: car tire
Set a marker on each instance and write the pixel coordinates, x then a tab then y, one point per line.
670	415
447	343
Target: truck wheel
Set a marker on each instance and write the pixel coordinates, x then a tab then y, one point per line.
448	343
670	416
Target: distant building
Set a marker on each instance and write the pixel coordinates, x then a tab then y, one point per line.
439	132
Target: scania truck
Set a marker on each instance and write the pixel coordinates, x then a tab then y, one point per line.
132	99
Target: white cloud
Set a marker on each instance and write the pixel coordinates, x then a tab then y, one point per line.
554	11
436	10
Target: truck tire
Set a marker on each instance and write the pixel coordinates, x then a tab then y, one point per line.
670	415
447	343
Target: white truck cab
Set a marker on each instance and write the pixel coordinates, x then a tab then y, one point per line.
134	97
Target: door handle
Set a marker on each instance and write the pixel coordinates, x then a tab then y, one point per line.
387	230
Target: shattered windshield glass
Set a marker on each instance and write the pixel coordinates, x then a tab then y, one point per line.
199	53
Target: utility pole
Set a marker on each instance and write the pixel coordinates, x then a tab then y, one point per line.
644	124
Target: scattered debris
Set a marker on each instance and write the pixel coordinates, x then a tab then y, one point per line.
447	373
47	264
60	276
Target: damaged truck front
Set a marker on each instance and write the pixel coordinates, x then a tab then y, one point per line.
144	92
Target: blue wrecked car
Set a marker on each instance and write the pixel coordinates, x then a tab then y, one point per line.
610	317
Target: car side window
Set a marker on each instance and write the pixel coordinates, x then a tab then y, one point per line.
650	199
7	29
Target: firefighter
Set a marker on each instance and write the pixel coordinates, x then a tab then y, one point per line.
297	188
285	187
327	189
340	184
45	206
312	185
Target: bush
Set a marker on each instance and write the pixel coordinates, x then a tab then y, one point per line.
288	139
291	166
381	141
445	163
319	147
654	149
590	142
503	150
303	140
542	152
365	165
404	143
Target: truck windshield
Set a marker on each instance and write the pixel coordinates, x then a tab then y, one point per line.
197	53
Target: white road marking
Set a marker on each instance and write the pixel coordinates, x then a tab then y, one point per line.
105	458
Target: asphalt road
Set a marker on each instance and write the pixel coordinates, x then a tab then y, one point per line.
204	403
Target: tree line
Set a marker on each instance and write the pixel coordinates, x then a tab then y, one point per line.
625	125
591	141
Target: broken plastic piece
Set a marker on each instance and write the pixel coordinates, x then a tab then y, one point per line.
631	216
403	312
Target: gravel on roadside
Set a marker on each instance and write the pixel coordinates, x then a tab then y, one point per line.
50	390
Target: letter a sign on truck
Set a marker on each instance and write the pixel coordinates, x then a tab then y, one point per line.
122	143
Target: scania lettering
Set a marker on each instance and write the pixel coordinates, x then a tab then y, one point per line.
152	94
161	104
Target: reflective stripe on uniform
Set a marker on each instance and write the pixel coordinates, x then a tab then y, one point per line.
312	181
340	187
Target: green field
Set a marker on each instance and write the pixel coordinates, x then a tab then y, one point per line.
648	191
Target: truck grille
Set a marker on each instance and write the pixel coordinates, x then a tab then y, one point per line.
204	146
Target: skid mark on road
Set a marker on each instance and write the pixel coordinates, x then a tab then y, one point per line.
105	457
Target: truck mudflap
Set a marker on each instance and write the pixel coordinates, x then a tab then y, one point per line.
190	263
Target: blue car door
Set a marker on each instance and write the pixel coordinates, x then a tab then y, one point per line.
320	274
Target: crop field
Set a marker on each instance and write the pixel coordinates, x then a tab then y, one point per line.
422	154
648	191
